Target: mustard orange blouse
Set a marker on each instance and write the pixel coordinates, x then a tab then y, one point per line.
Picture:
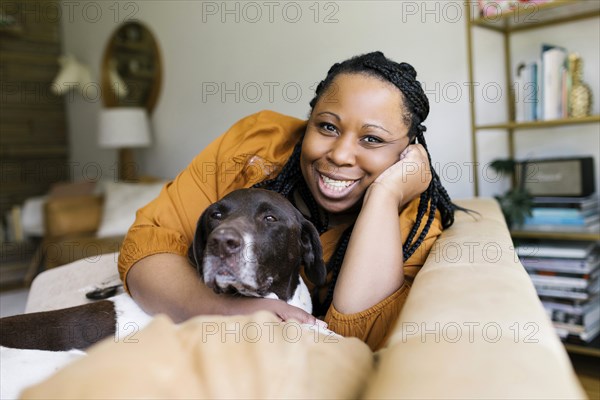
252	150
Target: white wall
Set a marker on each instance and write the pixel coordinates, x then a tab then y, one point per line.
201	49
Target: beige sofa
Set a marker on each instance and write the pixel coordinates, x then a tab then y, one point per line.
472	327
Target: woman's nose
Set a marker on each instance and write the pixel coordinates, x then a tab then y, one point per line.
343	152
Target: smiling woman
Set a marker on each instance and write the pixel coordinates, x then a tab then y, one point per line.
358	169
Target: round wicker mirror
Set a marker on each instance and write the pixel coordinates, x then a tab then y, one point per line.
131	68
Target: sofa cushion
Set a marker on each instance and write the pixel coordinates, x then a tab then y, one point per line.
72	215
121	201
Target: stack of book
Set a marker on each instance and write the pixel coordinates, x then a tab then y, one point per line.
542	87
564	214
566	276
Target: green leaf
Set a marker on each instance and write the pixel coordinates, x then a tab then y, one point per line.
504	166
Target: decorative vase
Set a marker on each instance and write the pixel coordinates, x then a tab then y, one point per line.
580	97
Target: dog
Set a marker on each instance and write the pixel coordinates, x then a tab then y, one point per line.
252	243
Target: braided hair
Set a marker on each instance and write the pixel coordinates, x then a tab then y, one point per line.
416	109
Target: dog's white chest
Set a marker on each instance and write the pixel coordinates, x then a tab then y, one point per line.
300	299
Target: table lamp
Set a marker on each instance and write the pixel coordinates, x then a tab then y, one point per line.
124	128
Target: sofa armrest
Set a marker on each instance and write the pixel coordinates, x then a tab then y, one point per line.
66	249
473	326
67	285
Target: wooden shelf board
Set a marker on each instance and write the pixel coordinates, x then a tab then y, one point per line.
555	235
588	349
542	124
530	16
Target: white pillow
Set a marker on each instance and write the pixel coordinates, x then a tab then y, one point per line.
121	201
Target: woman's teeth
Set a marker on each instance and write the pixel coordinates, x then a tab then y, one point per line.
335	184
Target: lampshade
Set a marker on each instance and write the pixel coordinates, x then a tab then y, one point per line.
124	127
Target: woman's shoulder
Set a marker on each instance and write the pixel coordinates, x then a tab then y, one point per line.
266	123
267	134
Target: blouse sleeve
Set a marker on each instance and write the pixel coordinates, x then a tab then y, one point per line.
249	151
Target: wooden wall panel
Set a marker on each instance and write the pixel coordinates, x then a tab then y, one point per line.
33	129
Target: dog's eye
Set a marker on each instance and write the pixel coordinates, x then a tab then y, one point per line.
216	215
270	218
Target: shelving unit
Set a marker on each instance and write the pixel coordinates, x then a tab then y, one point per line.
523	18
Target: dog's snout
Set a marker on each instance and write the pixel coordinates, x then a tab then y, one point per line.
225	242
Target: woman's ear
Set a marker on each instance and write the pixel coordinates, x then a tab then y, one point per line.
312	254
196	250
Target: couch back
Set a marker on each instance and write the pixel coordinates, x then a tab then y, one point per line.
473	326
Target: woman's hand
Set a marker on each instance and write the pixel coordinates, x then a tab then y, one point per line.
407	178
284	311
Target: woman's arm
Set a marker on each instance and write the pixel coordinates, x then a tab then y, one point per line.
372	267
167	284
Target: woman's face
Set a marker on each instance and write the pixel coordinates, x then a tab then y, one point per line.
354	133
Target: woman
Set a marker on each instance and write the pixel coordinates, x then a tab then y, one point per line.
359	169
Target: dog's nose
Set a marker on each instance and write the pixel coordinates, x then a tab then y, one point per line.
225	242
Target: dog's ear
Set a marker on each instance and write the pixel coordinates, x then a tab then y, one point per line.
196	250
312	254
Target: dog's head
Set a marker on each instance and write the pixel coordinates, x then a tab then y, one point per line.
253	242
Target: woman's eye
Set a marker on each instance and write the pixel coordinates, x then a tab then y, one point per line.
270	218
372	140
326	126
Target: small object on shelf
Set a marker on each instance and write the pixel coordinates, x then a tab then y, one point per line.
580	96
553	177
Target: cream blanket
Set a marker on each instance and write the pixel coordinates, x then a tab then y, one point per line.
211	357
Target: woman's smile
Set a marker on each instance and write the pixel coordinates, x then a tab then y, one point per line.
335	188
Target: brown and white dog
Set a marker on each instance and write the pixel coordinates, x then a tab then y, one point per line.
252	242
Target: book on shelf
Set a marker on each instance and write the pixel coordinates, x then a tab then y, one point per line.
575	220
569	214
560	280
554	60
569	292
526	92
584	330
576	322
586	333
562	212
583	338
574	318
557	249
569	306
569	265
582	203
592	228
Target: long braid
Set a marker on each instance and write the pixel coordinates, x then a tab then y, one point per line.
415	110
334	265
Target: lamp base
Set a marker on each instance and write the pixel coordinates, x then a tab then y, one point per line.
127	167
